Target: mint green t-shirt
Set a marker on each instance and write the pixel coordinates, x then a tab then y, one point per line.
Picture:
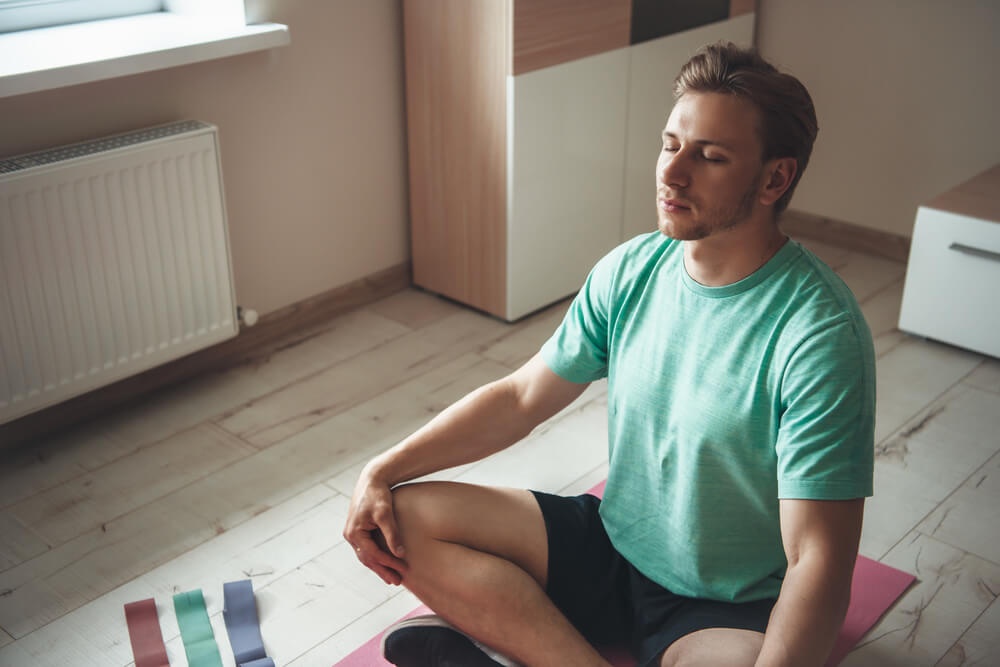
721	400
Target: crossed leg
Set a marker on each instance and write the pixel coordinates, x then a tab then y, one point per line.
478	556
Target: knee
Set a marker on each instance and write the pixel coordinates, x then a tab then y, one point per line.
423	523
438	511
415	512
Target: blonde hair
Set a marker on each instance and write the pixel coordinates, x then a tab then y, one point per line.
787	125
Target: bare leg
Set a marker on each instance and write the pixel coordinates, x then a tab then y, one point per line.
478	556
714	646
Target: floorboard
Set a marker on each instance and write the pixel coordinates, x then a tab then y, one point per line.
248	473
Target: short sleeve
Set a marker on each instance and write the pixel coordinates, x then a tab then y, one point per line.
826	436
578	350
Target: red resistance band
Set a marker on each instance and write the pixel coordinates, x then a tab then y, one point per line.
144	633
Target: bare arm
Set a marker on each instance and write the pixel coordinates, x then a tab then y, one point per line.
489	419
821	541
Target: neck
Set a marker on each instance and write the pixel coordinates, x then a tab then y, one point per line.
731	255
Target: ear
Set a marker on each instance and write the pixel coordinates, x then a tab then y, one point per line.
779	174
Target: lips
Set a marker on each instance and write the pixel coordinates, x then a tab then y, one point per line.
673	205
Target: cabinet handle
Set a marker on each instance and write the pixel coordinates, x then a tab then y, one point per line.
978	252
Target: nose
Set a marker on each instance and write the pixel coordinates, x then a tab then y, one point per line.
675	169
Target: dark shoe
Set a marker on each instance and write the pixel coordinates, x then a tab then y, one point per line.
429	641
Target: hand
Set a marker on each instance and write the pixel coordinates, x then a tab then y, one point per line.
371	529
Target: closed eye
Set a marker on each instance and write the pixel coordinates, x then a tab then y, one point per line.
667	148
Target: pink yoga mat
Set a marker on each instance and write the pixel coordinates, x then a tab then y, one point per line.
874	588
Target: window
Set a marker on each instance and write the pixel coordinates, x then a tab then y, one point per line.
26	14
138	36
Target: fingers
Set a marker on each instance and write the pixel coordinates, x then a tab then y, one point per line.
387	535
386	566
377	559
371	548
390	577
372	531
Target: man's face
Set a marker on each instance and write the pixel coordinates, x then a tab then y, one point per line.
709	172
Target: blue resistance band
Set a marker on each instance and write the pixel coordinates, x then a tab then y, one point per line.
240	614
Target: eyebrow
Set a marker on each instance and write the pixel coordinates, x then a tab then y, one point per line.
700	142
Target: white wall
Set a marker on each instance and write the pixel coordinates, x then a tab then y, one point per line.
907	96
313	140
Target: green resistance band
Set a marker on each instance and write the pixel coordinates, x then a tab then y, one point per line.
196	630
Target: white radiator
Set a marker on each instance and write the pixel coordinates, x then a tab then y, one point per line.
114	258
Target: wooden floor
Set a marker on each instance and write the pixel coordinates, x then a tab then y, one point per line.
248	474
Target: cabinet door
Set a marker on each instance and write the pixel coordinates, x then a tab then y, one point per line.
654	66
566	156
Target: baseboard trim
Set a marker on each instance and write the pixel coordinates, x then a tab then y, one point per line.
846	235
278	329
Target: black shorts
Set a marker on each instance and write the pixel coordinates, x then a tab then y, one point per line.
612	603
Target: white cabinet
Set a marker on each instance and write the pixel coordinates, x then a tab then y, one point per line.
952	290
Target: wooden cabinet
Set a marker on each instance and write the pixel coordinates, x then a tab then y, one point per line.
952	289
533	132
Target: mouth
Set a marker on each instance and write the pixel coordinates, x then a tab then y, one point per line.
672	205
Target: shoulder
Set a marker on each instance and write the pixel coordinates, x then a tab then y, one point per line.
641	248
633	260
825	348
819	327
817	299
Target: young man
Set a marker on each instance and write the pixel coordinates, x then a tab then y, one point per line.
740	408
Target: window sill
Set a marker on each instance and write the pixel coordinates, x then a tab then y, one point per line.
47	58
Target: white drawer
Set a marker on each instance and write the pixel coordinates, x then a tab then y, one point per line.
952	290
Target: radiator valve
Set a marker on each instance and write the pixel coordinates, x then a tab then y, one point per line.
247	316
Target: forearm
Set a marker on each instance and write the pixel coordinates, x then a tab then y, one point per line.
807	617
485	421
